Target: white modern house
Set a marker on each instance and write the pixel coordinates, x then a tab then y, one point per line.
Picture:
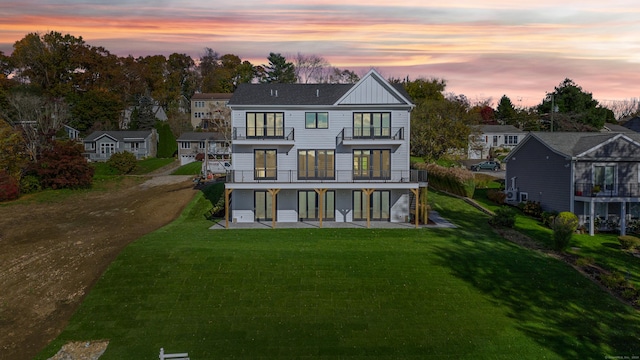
314	152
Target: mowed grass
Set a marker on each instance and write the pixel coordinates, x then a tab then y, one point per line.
193	168
347	293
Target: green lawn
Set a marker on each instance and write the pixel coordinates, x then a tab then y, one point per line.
347	293
193	168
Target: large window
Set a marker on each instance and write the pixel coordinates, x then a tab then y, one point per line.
265	164
379	205
185	145
316	120
511	139
263	205
604	176
107	148
371	164
265	124
309	205
316	164
371	124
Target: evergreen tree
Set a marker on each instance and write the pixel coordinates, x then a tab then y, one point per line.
279	70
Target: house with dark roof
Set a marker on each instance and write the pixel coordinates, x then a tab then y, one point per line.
216	145
593	175
321	152
100	145
485	139
633	124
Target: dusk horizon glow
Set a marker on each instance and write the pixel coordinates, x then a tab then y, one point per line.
482	49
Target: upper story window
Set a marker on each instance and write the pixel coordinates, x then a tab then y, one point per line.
371	164
371	124
316	120
604	176
265	164
316	164
185	145
265	124
135	146
511	139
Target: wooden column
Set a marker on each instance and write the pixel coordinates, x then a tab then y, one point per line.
321	193
416	193
227	194
273	193
368	192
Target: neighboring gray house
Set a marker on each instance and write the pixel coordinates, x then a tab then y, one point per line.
594	175
191	144
633	124
99	145
314	152
485	138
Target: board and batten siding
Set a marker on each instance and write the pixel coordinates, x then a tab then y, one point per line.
541	173
371	91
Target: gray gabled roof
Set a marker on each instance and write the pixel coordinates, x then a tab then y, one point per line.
118	135
300	94
201	136
487	129
572	144
288	94
633	124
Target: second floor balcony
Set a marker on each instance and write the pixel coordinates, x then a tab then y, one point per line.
607	190
263	133
336	176
361	135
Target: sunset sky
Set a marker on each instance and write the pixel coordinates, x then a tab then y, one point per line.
482	48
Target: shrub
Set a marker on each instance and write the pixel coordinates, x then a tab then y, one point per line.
504	217
123	162
9	187
585	261
496	196
167	145
547	218
30	184
629	293
532	208
457	181
63	166
613	280
564	225
628	242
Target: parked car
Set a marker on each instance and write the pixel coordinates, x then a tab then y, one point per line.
486	165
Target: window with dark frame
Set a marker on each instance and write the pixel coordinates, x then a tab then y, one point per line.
371	124
265	124
316	164
265	164
371	164
316	120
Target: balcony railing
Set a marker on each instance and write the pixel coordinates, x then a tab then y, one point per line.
263	133
338	176
371	133
608	190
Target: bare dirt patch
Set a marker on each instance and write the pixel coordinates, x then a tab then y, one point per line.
53	253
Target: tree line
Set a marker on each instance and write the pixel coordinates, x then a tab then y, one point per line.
51	80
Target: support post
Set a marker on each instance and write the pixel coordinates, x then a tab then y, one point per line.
273	193
321	193
416	193
592	216
227	194
368	192
623	218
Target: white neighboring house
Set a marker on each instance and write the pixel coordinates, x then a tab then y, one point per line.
314	152
209	111
485	138
190	144
100	145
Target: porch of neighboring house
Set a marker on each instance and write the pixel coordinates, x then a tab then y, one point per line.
612	206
